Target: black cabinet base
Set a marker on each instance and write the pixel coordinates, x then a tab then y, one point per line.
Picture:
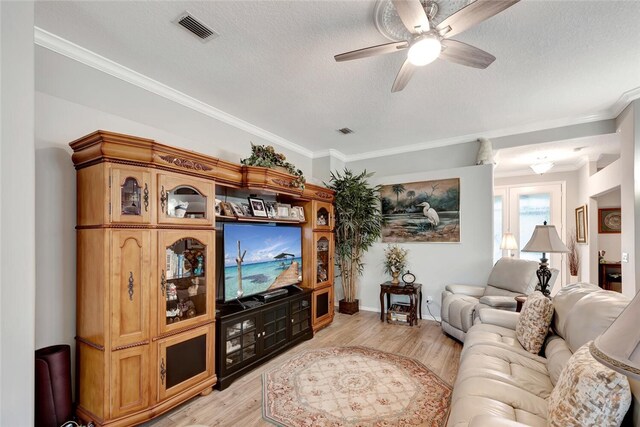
247	337
224	382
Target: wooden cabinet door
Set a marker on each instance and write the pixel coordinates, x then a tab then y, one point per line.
185	200
129	286
239	342
186	278
130	195
300	310
129	380
184	360
322	307
322	274
322	215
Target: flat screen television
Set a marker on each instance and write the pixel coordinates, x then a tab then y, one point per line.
271	258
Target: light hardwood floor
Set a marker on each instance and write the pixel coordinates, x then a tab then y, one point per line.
241	403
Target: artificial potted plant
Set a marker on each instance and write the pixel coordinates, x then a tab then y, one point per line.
358	223
574	258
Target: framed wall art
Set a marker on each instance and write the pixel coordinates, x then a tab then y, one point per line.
425	211
609	220
581	224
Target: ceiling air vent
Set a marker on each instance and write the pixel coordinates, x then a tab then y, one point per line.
345	131
195	27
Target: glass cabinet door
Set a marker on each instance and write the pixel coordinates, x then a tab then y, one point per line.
185	200
274	327
186	276
322	215
300	315
240	342
323	250
130	195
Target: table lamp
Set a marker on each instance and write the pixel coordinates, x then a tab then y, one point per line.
545	239
619	346
509	243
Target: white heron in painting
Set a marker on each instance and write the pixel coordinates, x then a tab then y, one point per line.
430	213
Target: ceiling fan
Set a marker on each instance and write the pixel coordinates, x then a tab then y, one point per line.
428	42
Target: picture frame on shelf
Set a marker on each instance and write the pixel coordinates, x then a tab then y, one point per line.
300	213
218	207
293	213
227	210
272	211
258	208
609	221
246	209
581	224
237	210
283	210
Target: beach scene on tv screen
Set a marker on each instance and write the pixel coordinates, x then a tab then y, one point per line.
273	258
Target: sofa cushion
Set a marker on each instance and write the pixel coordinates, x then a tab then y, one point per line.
558	354
591	316
588	394
519	369
564	301
514	275
533	323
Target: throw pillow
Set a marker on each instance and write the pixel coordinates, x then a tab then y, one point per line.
533	322
588	394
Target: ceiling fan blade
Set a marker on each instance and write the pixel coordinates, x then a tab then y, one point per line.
372	51
471	15
403	77
464	54
412	15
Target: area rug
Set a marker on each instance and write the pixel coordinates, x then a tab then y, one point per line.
354	386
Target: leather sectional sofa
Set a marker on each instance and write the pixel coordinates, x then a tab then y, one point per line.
499	383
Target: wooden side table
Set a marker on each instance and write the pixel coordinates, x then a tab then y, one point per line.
415	299
520	299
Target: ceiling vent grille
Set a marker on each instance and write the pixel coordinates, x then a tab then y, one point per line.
195	27
345	131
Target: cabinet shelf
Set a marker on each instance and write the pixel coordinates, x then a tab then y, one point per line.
226	218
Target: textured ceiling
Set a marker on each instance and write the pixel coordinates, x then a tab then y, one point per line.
273	66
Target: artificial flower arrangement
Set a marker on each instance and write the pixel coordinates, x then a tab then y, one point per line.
395	261
266	156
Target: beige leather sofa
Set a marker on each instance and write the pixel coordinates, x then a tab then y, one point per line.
499	383
509	278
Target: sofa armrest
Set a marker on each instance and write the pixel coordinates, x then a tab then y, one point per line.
492	316
493	421
502	302
472	291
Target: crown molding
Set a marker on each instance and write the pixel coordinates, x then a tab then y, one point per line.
73	51
78	53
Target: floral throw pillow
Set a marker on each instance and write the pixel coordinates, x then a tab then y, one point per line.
588	394
533	322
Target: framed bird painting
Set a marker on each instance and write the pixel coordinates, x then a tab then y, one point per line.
425	211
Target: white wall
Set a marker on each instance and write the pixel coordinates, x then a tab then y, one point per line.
629	125
17	211
438	264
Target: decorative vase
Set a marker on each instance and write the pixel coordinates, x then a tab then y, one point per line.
394	277
573	279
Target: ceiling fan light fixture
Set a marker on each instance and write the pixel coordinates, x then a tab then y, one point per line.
541	168
424	50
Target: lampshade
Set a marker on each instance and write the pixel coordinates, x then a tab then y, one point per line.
508	242
545	239
619	346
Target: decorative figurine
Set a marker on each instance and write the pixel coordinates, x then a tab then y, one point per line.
200	268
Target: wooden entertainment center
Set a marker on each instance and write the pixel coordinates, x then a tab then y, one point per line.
150	333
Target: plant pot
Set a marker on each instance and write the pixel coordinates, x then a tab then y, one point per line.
345	307
573	279
395	278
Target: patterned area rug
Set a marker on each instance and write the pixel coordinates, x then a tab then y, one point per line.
354	386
